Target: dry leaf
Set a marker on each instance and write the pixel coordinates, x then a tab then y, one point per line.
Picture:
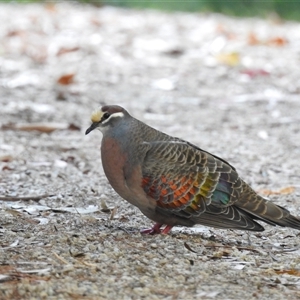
287	190
74	127
253	40
221	253
7	168
51	7
77	210
113	213
284	191
104	207
36	271
76	253
277	41
292	272
62	51
24	198
231	59
96	22
221	29
13	212
16	33
66	79
42	127
239	267
255	72
4	278
14	244
6	158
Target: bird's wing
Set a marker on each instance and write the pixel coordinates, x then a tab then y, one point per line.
183	178
191	183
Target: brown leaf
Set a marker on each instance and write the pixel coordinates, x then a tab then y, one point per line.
62	51
73	127
277	41
7	168
66	79
76	253
96	22
51	7
15	33
253	40
287	190
6	158
292	272
284	191
175	52
221	253
42	127
226	32
274	41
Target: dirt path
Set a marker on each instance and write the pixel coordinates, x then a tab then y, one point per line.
230	86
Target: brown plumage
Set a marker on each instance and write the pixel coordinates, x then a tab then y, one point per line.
173	182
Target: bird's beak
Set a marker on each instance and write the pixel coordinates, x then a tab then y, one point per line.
92	127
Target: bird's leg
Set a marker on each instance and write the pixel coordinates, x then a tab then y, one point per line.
154	230
167	229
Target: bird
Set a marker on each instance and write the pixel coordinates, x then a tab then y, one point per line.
174	182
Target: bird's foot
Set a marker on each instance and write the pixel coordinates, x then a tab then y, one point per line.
156	229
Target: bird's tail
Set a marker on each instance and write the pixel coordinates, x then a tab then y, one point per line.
264	210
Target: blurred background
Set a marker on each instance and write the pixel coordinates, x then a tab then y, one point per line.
282	8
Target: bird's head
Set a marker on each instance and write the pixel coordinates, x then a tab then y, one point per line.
105	117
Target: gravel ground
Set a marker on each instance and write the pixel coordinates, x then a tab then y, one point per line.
229	85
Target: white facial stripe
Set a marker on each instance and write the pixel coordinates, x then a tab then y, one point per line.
115	115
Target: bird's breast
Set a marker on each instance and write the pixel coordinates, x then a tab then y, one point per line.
124	175
113	161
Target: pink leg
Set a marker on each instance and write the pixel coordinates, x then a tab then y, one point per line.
155	229
167	229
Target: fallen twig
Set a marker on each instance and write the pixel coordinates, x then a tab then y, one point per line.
24	198
230	247
60	258
189	248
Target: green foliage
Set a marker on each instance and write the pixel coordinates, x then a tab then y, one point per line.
289	9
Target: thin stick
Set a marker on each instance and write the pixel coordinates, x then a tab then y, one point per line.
230	247
60	258
88	264
24	198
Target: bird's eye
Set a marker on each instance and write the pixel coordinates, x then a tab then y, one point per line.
106	116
